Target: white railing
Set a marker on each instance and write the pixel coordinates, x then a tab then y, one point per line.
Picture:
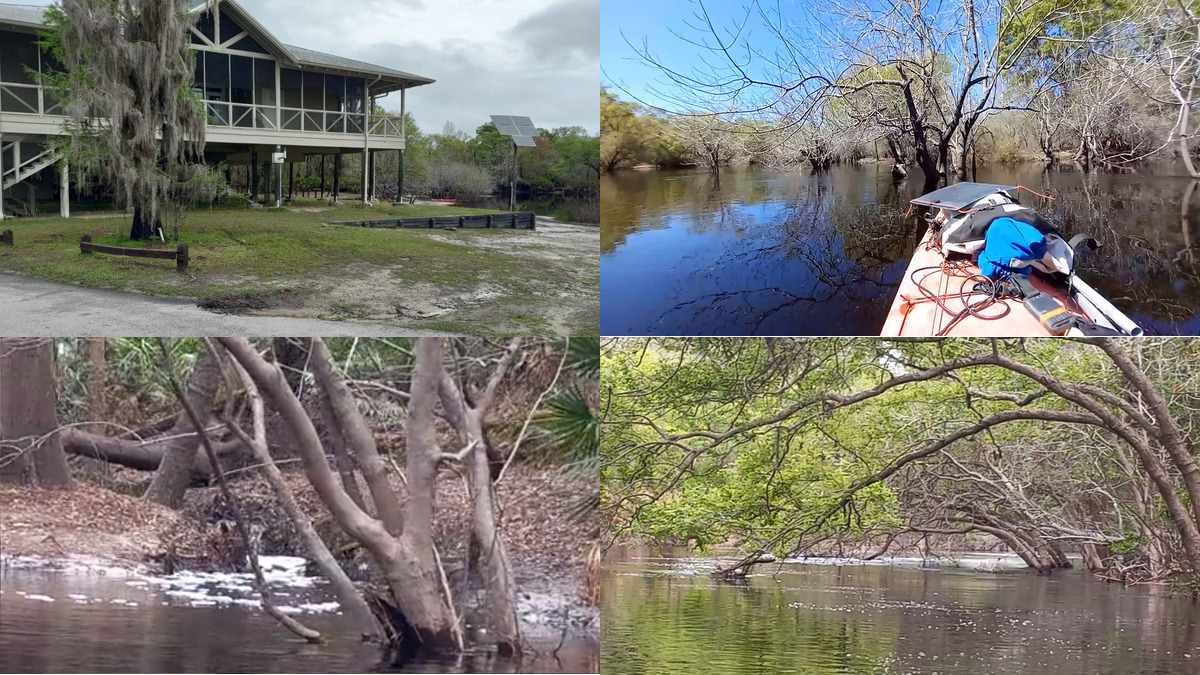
386	126
29	99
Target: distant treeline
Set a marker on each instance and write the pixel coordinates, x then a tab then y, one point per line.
455	164
1100	82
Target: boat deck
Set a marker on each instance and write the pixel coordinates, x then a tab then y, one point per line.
914	314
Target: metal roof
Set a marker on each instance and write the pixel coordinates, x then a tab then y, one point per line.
309	57
390	78
25	15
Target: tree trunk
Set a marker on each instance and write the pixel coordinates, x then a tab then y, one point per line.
28	420
143	229
97	378
1183	133
492	552
353	429
347	594
179	456
407	563
293	355
468	422
1178	447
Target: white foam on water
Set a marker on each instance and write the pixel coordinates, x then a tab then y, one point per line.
318	607
43	598
190	588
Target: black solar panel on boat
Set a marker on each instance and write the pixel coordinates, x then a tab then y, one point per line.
960	195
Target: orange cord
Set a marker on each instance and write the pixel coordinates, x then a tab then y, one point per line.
1022	187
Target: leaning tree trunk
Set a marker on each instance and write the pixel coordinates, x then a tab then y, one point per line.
173	475
407	562
468	422
29	440
295	358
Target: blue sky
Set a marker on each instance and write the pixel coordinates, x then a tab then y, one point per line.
654	22
812	25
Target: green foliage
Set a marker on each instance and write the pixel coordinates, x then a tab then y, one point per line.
751	442
452	163
570	422
136	364
585	356
628	136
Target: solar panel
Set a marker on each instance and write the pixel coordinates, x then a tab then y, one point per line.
517	127
525	126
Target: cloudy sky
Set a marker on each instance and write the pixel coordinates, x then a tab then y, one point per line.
539	58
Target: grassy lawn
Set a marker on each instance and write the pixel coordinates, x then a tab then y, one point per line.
290	261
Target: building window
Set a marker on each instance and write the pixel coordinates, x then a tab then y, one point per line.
249	44
354	94
204	26
229	27
289	84
264	82
198	76
335	93
216	76
241	77
313	94
17	50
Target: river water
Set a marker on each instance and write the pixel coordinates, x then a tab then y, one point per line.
758	252
69	623
664	616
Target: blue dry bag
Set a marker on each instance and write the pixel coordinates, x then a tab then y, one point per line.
1009	246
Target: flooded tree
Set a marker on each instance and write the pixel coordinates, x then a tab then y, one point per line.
134	119
399	537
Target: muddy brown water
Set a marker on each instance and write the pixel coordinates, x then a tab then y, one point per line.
748	252
664	615
65	636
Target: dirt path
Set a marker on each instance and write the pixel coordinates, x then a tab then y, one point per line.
37	307
559	292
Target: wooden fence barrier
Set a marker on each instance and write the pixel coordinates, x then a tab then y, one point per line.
179	255
521	220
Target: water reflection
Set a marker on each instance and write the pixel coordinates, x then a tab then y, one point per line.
817	619
158	635
747	252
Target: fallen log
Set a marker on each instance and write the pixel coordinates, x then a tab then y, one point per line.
140	455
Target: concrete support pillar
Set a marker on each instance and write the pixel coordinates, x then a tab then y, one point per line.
253	174
278	168
337	175
400	177
373	155
322	176
64	190
1	174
